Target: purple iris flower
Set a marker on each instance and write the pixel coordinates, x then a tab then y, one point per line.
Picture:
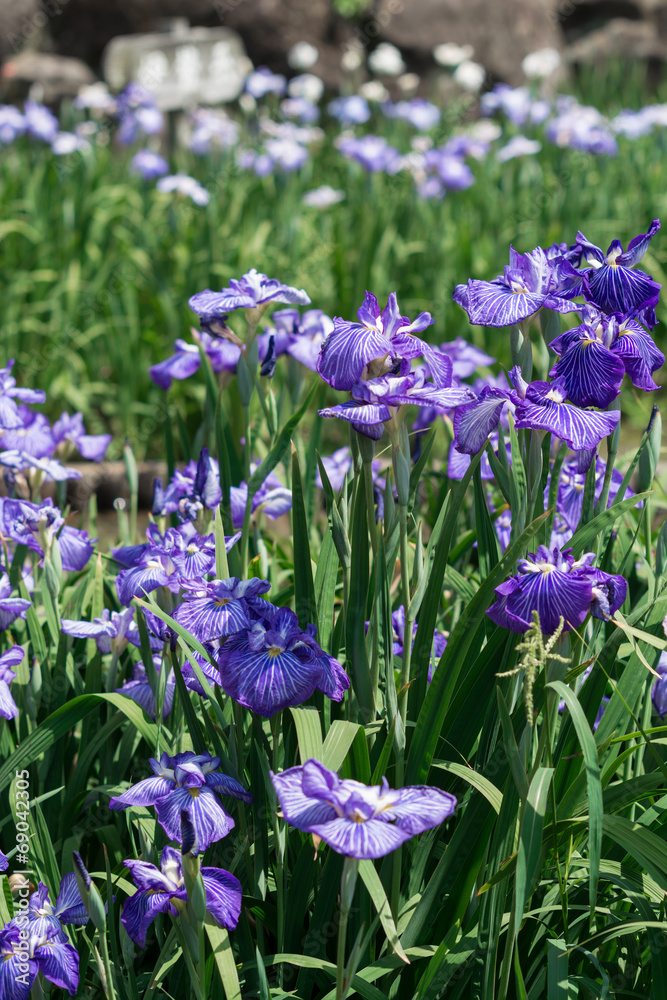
220	608
34	436
12	124
368	348
452	171
195	489
4	862
188	783
659	690
47	919
29	523
352	110
398	635
272	499
112	631
597	354
612	284
222	354
532	281
421	114
337	467
164	892
571	483
375	402
466	358
556	586
251	291
275	665
24	953
10	659
71	430
9	413
138	113
373	152
40	123
359	821
149	165
50	468
544	408
306	333
139	690
154	568
11	608
263	81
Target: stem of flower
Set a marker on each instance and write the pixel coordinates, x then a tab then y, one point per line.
347	885
276	727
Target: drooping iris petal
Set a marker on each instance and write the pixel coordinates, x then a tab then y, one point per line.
590	373
552	596
491	303
347	350
635	347
544	408
371	839
420	807
141	909
223	896
609	593
267	681
69	906
144	793
210	820
618	289
473	422
299	809
58	961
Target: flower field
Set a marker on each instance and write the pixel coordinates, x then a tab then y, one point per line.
374	706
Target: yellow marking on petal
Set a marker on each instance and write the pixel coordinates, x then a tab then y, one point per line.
274	651
220	603
194	792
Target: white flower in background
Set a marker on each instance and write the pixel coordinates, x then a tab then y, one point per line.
540	64
486	130
408	83
66	143
421	143
374	91
470	75
303	55
386	60
184	185
352	59
518	145
247	103
322	197
449	54
307	86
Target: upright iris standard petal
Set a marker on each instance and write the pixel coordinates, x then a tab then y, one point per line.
544	408
636	349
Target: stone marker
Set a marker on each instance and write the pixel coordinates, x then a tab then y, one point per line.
181	68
